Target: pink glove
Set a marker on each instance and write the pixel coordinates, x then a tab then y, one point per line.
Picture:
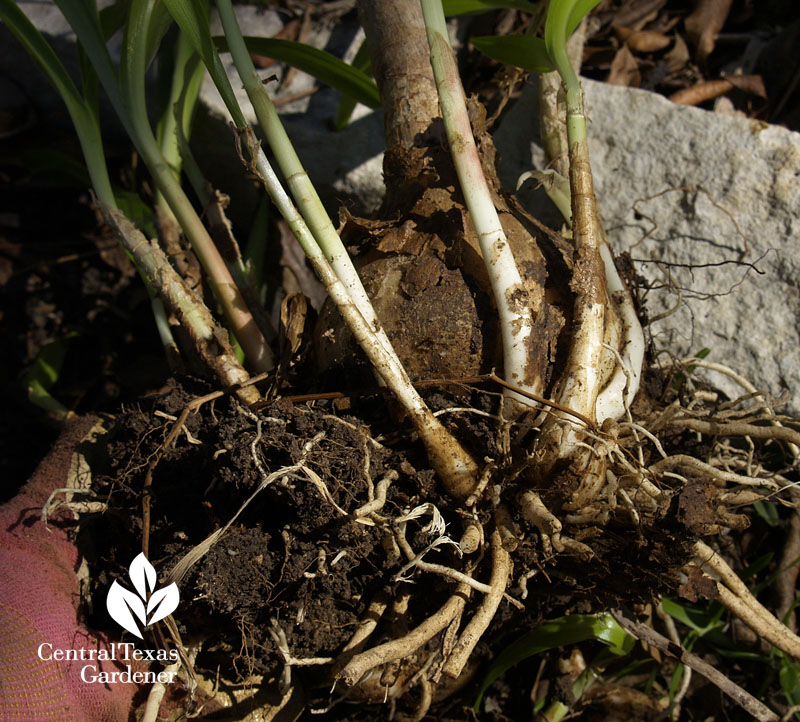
38	610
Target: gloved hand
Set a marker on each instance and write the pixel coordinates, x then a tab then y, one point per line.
39	594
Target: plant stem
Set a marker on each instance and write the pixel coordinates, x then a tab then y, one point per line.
510	296
300	186
133	69
453	464
594	276
400	63
327	255
209	340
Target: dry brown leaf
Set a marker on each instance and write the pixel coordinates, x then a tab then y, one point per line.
710	89
677	56
637	13
624	69
647	41
294	314
704	23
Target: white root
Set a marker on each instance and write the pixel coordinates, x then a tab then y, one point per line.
501	571
735	595
396	649
683	461
619	393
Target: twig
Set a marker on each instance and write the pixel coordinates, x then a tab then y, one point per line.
743	698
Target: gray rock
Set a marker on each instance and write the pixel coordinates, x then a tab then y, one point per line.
707	205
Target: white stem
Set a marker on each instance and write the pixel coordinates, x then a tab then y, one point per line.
303	191
510	294
454	465
619	392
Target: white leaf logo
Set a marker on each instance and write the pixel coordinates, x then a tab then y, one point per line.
143	576
122	605
135	611
163	603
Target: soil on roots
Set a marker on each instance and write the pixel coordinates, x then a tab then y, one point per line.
302	560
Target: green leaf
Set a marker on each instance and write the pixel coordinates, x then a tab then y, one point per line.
523	51
563	17
692	618
348	103
558	633
463	7
192	18
113	17
322	65
42	54
137	211
83	17
81	110
580	8
790	678
44	373
768	512
148	21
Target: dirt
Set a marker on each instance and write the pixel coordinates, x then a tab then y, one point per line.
292	558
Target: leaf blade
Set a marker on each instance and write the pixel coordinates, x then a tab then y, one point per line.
319	63
558	633
522	51
464	7
192	18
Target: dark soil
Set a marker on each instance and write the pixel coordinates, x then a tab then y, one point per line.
292	558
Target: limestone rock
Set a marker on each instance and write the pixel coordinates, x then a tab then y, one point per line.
708	206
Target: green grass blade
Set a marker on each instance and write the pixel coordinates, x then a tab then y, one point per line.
148	20
44	373
523	51
192	18
112	17
83	17
184	90
580	8
348	103
464	7
558	633
319	63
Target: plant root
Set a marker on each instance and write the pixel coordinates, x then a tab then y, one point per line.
501	572
734	594
398	649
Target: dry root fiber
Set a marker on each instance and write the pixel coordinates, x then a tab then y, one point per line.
344	564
